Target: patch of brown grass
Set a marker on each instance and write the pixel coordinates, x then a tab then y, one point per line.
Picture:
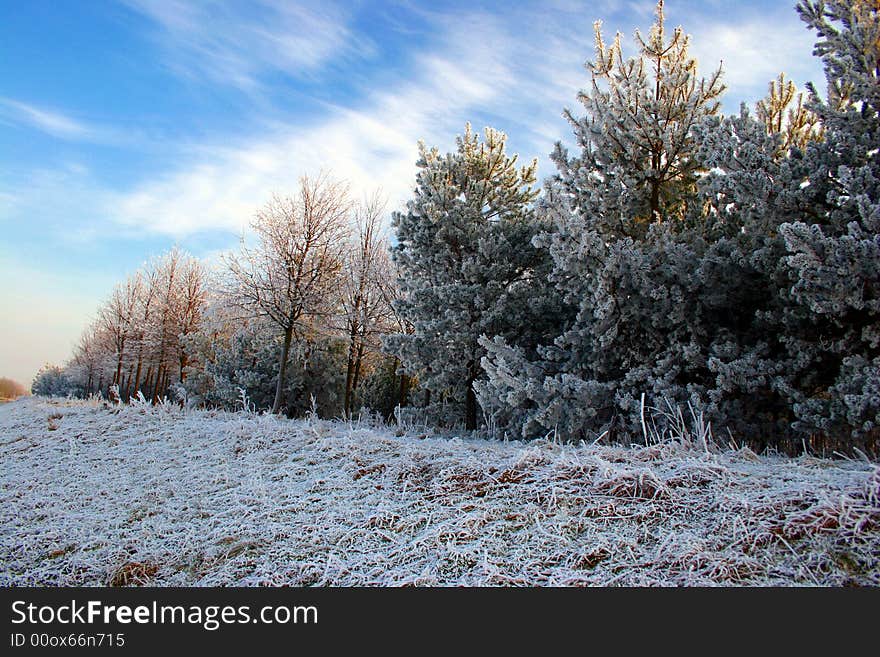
60	552
513	476
372	469
635	484
52	419
470	482
589	560
133	573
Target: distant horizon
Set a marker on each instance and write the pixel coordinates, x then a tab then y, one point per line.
129	127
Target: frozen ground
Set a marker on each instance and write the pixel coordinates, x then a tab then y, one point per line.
93	495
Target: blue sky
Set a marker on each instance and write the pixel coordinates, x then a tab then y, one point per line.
127	127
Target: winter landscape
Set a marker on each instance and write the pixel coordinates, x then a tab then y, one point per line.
649	359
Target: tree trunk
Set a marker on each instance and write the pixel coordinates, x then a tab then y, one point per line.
282	371
128	380
117	379
349	375
148	381
160	373
357	367
470	408
137	376
401	399
655	201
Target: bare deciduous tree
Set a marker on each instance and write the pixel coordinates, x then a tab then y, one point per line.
188	308
11	389
293	272
365	305
398	324
117	318
140	330
86	358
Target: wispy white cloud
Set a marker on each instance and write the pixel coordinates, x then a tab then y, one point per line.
475	67
65	205
754	50
478	65
236	43
372	146
62	125
46	120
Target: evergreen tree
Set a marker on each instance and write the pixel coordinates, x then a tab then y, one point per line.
636	164
788	284
835	247
52	381
620	210
465	261
742	282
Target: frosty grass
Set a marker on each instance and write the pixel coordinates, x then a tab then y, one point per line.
94	494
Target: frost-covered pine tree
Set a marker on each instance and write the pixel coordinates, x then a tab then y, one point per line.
787	285
835	244
52	381
636	164
739	281
619	207
466	265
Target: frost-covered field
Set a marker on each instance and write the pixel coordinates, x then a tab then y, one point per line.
95	495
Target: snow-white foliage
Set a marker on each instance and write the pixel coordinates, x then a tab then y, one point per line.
619	210
754	295
466	263
95	494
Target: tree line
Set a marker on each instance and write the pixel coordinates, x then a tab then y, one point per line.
137	345
678	258
11	389
290	321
